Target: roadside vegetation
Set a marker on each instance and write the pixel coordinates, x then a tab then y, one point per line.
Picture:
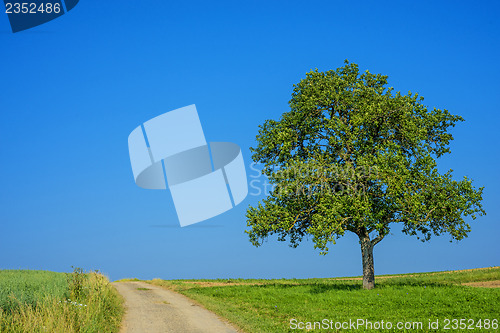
270	305
42	301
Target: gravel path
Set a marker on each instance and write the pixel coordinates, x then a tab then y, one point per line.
154	309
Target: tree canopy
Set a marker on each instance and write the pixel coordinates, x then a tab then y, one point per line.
353	155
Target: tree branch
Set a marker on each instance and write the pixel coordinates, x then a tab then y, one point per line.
377	239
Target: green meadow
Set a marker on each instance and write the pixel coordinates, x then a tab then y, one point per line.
459	301
332	304
41	301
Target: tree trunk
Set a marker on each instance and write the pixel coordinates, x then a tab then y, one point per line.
368	268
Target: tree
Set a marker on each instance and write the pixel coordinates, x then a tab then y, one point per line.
352	155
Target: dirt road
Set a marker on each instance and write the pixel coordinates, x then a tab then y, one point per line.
154	309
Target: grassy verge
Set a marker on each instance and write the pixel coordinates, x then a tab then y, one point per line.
40	301
271	305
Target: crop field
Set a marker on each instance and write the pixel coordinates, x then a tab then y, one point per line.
421	302
42	301
30	288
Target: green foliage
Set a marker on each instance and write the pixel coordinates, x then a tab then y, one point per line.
26	287
352	155
269	305
38	301
76	282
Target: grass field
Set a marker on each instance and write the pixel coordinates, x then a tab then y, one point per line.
272	305
41	301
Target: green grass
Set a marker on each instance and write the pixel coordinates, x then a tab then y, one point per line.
40	301
128	280
269	305
30	287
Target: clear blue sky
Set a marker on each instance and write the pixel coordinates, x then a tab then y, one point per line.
73	89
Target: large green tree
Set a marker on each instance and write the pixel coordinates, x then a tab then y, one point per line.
353	155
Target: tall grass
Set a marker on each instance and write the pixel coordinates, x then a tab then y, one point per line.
37	301
19	287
